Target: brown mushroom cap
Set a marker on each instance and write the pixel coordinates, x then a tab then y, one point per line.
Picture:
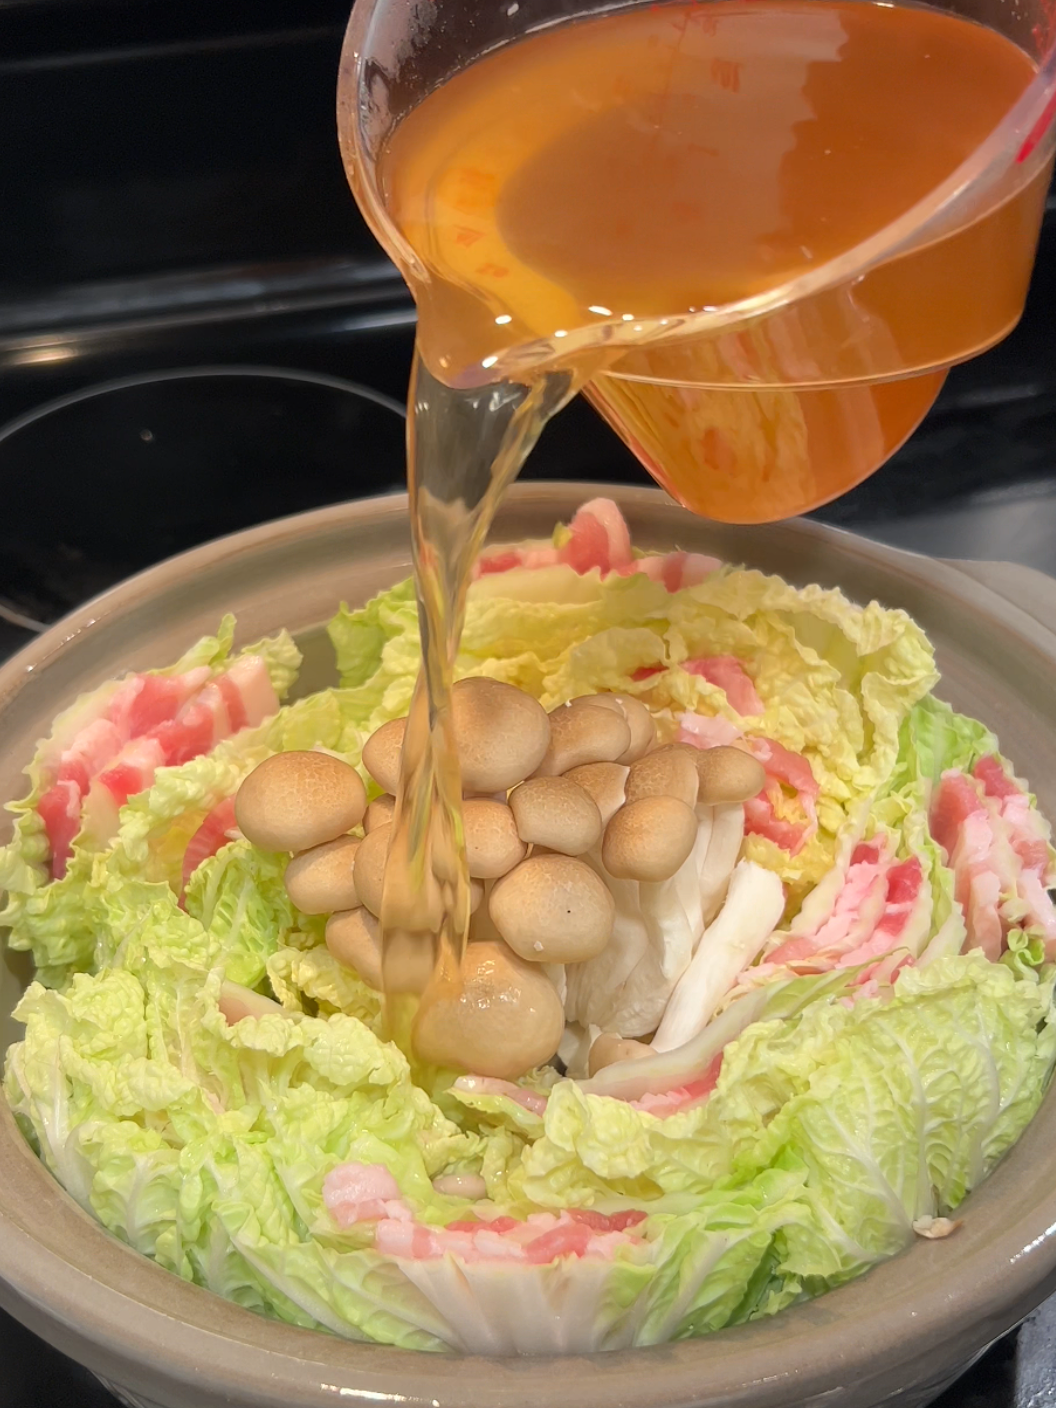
649	839
504	1019
294	801
380	812
583	733
417	909
605	784
609	1048
557	813
668	772
381	754
501	734
728	775
369	871
553	909
639	720
353	937
321	880
492	844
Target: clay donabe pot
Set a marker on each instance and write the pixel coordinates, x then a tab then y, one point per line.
901	1332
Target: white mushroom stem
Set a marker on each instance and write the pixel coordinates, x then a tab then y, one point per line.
656	931
575	1049
672	908
754	905
593	990
618	989
556	973
671	923
724	846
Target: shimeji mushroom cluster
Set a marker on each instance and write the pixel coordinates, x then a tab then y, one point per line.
544	794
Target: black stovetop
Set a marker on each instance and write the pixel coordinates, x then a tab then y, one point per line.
173	199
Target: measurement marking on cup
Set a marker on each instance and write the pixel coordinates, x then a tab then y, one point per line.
1038	131
702	21
476	191
726	73
476	180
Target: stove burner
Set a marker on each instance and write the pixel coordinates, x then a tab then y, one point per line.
106	482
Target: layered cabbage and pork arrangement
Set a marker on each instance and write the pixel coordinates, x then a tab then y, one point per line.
794	1005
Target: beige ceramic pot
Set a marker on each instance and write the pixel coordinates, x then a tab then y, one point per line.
901	1333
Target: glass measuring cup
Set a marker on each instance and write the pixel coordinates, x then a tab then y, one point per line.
756	406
